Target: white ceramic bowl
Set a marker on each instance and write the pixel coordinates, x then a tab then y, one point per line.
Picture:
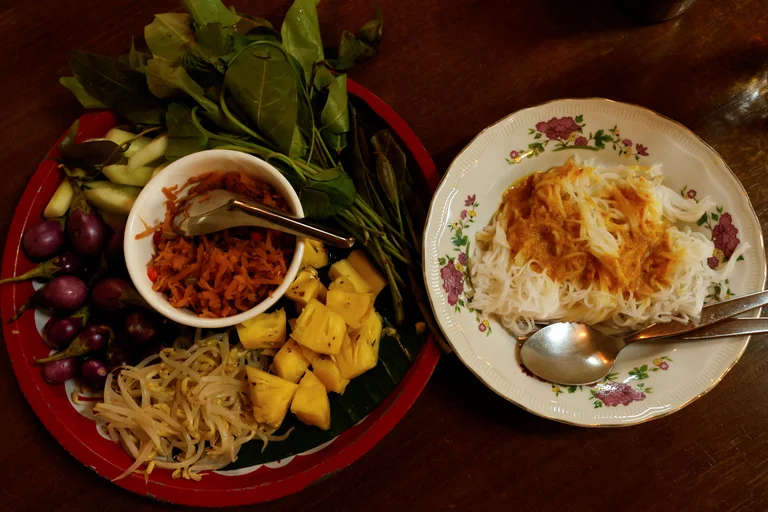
150	207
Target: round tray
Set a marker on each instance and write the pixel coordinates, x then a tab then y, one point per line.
78	434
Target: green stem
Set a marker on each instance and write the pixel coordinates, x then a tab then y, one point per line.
369	211
236	121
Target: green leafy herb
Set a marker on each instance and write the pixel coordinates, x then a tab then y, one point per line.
137	60
363	45
210	11
327	193
169	35
301	35
264	84
76	88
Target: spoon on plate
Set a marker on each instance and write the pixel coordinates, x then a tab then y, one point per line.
576	354
222	209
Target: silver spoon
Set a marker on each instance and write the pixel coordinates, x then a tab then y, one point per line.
575	354
223	210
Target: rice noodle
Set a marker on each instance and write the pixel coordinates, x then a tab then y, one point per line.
514	289
188	411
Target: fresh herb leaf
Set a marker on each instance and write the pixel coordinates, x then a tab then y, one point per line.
301	35
264	84
184	138
116	85
327	193
385	144
210	11
363	45
137	60
85	99
169	35
335	114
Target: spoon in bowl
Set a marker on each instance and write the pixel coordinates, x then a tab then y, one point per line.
576	354
222	209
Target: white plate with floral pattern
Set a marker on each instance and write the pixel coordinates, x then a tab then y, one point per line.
649	380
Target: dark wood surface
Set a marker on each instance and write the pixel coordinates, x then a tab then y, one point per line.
450	68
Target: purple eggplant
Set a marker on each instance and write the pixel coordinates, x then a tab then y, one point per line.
94	373
85	229
59	331
113	294
141	327
60	371
114	249
120	356
65	264
61	295
90	339
44	240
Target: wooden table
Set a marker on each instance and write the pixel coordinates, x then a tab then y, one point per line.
451	68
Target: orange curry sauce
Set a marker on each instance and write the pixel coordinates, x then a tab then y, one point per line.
545	224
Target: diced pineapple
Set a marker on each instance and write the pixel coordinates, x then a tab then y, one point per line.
326	369
310	404
342	283
315	254
306	287
290	363
292	324
308	353
360	350
266	330
342	268
320	329
354	307
270	396
367	271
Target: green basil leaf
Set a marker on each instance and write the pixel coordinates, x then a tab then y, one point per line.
210	11
263	83
169	35
301	35
335	114
85	99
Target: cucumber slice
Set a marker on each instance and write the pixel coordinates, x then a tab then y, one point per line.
159	168
121	175
119	136
108	197
115	221
59	203
149	154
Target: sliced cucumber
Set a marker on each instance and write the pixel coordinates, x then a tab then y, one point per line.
119	136
115	221
149	154
108	197
121	175
159	168
59	203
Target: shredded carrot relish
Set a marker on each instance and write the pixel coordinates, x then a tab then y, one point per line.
224	273
546	225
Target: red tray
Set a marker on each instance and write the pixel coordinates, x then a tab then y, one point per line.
78	434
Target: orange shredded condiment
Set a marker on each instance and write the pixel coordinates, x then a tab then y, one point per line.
225	273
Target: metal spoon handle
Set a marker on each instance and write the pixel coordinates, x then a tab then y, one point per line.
709	315
276	219
728	327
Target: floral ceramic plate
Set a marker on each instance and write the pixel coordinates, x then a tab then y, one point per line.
649	380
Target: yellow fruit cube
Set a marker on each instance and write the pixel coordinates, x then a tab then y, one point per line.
342	268
292	324
342	283
310	404
264	331
367	271
306	287
326	369
270	396
290	363
320	329
315	254
308	353
360	350
354	307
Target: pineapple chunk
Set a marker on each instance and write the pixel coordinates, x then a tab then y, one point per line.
292	324
367	271
342	268
264	331
310	404
320	329
308	353
315	254
290	363
326	369
270	396
342	283
353	307
306	287
360	350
